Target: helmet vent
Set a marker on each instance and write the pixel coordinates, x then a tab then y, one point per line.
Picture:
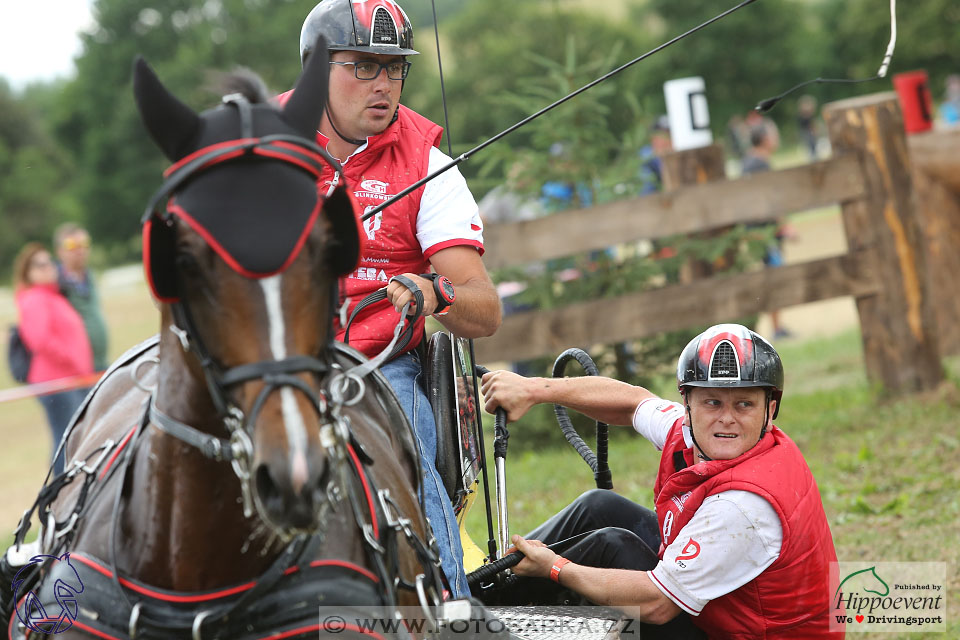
724	364
384	30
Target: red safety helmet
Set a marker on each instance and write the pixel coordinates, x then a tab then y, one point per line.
371	26
730	355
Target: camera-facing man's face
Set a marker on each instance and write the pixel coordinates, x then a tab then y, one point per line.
362	108
727	422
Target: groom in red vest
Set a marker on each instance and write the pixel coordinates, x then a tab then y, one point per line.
739	542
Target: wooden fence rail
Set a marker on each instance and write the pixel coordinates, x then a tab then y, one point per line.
885	269
763	196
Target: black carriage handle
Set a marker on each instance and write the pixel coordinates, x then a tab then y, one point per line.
598	462
500	433
487	571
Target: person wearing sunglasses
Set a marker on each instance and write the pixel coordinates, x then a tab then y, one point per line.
385	147
53	333
72	244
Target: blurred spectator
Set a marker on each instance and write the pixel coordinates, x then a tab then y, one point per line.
950	109
560	195
738	136
53	331
651	156
72	243
807	124
764	141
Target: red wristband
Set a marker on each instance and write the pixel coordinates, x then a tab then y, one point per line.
559	564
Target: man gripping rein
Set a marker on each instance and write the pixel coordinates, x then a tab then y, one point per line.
385	147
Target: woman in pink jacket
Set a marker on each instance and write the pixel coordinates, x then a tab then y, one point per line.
55	335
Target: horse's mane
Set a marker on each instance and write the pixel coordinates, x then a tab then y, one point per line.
243	81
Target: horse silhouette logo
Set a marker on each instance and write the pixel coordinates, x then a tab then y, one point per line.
869	578
33	614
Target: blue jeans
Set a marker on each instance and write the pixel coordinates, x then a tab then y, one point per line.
60	408
404	375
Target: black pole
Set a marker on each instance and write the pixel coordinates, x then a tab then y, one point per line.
491	539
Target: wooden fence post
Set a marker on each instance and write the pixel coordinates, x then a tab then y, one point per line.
897	324
693	166
696	166
936	180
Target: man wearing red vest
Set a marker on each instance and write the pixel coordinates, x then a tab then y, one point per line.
385	147
739	541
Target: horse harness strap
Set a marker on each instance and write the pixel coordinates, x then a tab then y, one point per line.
211	446
380	508
284	604
153	618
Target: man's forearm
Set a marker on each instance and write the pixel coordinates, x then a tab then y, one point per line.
476	311
603	399
630	591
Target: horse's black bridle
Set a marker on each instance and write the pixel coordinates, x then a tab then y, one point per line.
306	155
343	387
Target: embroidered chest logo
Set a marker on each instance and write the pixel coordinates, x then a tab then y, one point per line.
372	225
373	189
680	500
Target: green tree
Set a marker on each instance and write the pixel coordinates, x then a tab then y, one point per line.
34	173
96	119
928	37
757	52
499	47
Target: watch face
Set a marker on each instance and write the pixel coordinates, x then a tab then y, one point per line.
446	289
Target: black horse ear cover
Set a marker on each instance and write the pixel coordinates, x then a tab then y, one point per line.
171	123
304	109
254	206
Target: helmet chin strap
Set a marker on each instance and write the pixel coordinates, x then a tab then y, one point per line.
354	141
700	452
333	126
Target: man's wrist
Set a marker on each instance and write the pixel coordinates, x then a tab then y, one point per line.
444	291
540	390
558	564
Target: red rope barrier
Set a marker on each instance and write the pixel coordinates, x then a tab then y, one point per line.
48	387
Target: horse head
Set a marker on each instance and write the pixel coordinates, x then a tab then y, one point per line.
243	247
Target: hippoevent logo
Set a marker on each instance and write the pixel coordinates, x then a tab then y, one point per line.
888	596
48	618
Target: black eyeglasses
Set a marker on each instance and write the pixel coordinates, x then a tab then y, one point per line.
368	70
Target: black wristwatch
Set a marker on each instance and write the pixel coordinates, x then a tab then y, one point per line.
446	294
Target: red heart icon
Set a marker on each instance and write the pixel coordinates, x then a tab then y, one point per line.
859	618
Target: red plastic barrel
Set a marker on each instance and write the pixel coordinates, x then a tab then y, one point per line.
913	90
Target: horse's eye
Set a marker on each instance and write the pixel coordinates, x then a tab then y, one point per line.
186	264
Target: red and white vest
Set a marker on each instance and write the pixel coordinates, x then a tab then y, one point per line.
791	598
392	161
